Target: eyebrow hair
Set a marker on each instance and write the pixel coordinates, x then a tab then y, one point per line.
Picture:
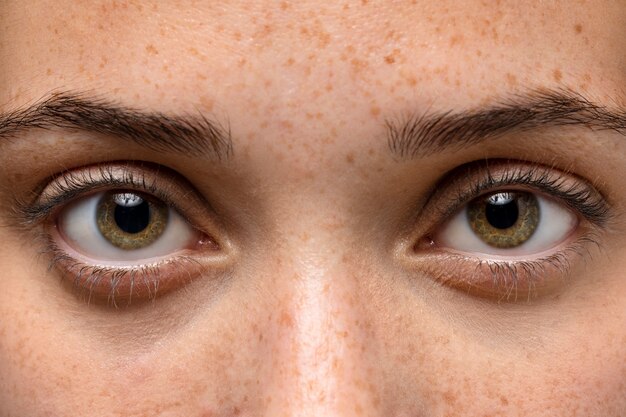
427	134
193	134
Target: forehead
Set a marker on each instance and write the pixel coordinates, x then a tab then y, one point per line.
288	63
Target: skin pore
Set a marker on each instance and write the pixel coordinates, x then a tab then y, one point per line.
317	290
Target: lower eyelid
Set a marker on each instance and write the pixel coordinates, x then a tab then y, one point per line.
500	279
119	285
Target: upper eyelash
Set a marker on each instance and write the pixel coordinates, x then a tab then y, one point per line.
577	196
71	185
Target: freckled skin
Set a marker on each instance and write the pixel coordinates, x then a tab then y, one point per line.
316	317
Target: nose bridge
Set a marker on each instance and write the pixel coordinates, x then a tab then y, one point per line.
324	364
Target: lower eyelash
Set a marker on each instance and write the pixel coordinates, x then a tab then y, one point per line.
512	281
118	287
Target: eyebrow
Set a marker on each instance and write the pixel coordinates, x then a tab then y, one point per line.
186	134
430	133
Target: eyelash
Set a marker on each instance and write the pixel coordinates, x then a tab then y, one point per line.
504	278
123	283
70	185
577	196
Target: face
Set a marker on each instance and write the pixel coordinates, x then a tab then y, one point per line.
339	209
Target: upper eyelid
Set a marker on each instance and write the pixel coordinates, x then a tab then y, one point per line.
459	186
149	178
554	183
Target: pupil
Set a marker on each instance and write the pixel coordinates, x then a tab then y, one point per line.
502	211
132	218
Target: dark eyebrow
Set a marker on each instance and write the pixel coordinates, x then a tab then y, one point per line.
426	134
157	131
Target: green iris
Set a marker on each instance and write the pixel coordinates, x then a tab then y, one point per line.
131	221
504	219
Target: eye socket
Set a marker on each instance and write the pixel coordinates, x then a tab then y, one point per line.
115	232
507	223
507	230
124	226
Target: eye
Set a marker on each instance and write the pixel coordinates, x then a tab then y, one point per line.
508	223
125	231
124	226
508	230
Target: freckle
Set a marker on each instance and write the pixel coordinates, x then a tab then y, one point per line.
49	71
237	36
578	28
290	62
375	110
350	158
390	59
151	49
511	79
456	39
503	400
358	65
206	103
449	398
557	75
479	52
286	124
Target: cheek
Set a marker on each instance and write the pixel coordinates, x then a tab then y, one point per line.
38	372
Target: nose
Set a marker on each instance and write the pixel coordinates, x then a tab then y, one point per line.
326	359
